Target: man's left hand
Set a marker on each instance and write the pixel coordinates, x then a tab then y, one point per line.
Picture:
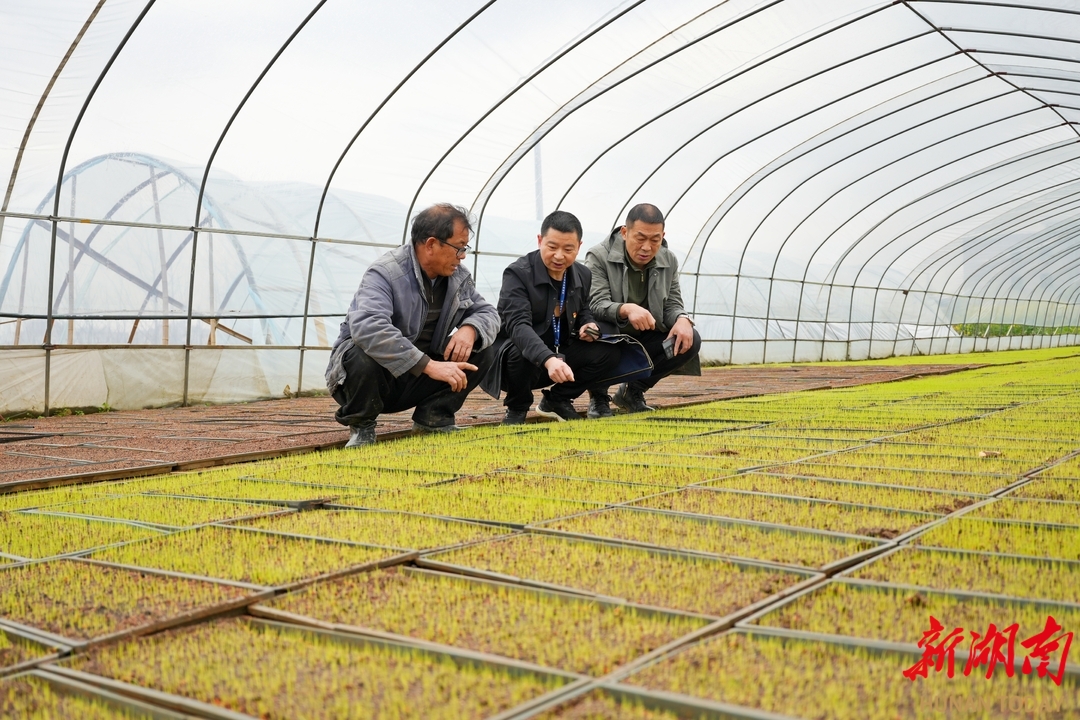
683	332
586	336
460	346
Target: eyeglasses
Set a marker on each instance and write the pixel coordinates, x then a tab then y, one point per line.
459	250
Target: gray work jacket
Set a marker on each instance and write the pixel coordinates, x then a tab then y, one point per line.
389	309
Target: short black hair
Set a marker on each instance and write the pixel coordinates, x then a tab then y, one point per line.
646	213
438	221
562	221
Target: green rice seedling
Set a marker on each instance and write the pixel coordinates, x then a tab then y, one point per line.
244	556
15	651
944	570
162	510
26	696
462	503
818	515
81	601
263	491
1032	540
980	484
803	678
1009	508
841	491
271	672
901	615
1067	469
702	585
560	488
684	533
340	477
389	529
929	461
700	465
572	634
598	705
54	496
1049	489
31	535
637	469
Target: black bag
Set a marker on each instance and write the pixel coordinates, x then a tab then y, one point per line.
634	362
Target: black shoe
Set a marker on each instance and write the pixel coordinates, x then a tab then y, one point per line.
515	417
360	435
558	409
599	406
631	399
424	429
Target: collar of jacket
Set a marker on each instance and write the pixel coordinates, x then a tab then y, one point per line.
615	247
540	272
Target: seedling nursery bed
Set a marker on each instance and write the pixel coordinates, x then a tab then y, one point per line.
763	557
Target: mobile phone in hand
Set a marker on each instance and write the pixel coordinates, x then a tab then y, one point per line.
592	332
669	348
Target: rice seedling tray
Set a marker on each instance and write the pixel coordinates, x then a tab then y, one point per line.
947	482
385	528
41	694
22	649
1033	540
644	577
35	535
973	572
636	471
895	614
558	487
268	669
160	511
267	492
351	478
451	502
772	671
929	462
542	627
615	702
844	517
239	555
720	537
896	497
1041	488
79	603
1058	513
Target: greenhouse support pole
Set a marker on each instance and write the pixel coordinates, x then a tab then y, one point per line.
303	326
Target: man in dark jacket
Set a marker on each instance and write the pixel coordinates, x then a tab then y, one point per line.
417	333
636	288
548	333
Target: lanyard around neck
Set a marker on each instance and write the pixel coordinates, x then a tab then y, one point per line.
556	316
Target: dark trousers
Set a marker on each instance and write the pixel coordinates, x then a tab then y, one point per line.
590	361
653	342
370	389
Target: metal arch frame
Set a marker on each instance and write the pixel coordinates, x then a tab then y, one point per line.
341	158
567	109
1049	241
47	345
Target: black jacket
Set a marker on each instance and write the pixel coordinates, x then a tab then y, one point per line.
526	303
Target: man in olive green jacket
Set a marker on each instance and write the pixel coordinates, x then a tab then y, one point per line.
635	288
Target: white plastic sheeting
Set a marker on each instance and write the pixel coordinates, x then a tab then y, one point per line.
194	188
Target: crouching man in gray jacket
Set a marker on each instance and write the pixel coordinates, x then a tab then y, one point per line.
417	333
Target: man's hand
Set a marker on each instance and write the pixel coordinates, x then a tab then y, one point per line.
451	373
683	332
586	336
460	345
639	317
558	370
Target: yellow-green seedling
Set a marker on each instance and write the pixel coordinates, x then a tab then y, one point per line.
15	651
573	634
81	601
462	503
638	471
1067	469
557	488
264	491
1049	489
31	535
694	465
901	615
1030	539
801	678
841	491
390	529
697	584
55	496
723	538
347	476
931	461
281	674
598	705
954	482
163	510
1064	513
814	514
242	555
26	696
943	570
